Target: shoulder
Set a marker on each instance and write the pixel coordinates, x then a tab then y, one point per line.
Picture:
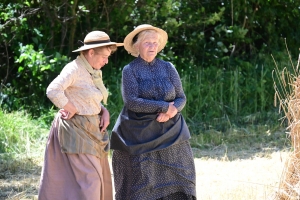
165	63
131	66
72	69
127	68
71	66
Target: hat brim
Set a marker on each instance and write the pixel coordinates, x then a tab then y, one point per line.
128	39
91	46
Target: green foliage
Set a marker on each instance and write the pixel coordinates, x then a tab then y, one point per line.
112	80
221	49
35	71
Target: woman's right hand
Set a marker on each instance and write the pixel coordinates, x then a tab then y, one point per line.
162	117
68	111
65	114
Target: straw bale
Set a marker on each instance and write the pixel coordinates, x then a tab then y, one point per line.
289	186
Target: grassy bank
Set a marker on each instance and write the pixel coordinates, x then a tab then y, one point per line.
22	135
22	142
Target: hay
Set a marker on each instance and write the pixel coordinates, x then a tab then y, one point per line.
287	91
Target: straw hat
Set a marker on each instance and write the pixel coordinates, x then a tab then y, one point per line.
128	43
96	39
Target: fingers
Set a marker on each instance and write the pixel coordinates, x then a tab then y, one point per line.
162	117
103	127
103	124
104	120
69	107
65	114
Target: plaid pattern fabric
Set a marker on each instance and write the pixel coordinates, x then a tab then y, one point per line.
81	134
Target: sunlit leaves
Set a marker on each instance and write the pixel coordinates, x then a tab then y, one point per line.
215	17
229	35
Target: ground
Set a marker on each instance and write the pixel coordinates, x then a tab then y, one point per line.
221	174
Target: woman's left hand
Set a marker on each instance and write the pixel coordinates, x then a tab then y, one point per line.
172	110
162	117
104	120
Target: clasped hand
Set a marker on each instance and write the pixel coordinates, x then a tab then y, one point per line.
172	111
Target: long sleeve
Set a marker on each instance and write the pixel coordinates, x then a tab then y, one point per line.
132	99
180	99
55	91
75	84
150	87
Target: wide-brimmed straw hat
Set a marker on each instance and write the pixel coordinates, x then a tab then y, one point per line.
96	39
128	41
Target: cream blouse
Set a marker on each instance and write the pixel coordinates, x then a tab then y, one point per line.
75	84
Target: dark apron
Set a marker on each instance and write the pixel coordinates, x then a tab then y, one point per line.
138	133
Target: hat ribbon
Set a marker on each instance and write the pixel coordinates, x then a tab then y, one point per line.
98	42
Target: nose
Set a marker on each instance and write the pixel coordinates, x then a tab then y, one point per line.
106	60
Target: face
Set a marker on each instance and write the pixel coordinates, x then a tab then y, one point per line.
98	58
148	47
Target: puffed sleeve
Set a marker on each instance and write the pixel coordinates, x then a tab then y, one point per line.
55	90
180	99
131	97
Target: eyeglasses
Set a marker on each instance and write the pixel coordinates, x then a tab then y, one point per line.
148	44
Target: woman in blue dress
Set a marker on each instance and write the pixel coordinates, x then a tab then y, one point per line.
152	157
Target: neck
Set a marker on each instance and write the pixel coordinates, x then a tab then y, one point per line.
147	59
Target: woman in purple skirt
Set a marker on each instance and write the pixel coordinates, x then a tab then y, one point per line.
76	158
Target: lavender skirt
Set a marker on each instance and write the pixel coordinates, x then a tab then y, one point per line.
73	176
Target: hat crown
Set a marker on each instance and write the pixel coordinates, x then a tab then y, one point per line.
143	26
95	36
96	39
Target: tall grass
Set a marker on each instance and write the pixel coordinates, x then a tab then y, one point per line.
22	141
233	105
19	134
215	93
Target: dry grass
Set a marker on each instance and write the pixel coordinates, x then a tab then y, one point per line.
254	178
288	95
220	176
19	177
